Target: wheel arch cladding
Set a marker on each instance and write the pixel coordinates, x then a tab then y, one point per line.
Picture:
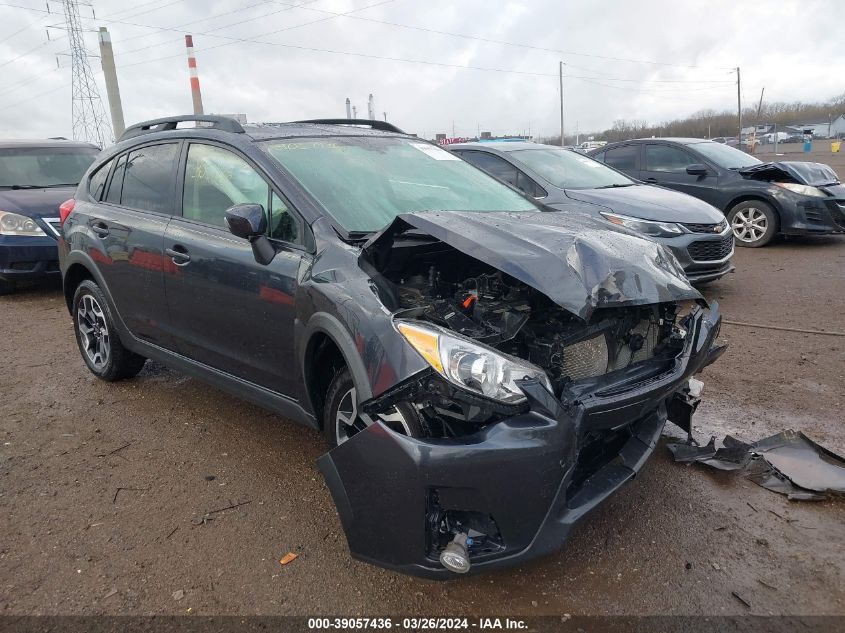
329	347
74	276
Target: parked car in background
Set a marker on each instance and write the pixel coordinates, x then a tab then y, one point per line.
759	199
484	373
695	232
35	178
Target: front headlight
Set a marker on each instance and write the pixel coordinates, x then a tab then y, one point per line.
804	190
14	224
470	365
646	227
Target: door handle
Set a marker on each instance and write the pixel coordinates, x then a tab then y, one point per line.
179	254
651	180
100	229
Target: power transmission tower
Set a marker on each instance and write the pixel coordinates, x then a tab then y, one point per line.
89	116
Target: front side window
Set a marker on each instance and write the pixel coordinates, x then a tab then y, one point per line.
216	179
365	182
569	170
666	158
148	178
283	224
38	167
623	158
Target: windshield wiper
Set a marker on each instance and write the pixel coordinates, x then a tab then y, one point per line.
616	185
60	184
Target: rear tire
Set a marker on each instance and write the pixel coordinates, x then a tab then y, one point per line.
97	338
341	414
754	223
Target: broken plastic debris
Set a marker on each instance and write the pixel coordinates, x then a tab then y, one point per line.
288	558
789	463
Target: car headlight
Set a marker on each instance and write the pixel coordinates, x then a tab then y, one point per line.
646	227
470	365
804	190
14	224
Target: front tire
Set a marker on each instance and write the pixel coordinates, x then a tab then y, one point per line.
342	418
754	223
96	336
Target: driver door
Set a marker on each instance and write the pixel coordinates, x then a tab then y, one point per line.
228	311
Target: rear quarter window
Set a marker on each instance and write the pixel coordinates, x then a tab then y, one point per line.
97	182
149	178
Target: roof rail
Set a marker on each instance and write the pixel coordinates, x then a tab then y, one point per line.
384	126
223	123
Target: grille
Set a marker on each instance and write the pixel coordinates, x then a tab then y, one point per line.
55	226
585	359
706	228
711	250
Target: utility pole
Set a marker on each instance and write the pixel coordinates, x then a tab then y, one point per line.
371	108
112	87
354	112
560	72
385	116
196	95
87	112
739	106
757	122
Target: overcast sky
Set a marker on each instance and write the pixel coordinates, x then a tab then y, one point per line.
692	46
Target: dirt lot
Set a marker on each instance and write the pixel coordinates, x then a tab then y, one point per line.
103	487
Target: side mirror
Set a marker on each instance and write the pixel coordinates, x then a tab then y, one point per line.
249	222
246	220
697	170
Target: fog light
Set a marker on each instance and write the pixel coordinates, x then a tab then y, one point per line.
455	556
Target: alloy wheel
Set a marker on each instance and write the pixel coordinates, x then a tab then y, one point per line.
348	422
93	331
749	225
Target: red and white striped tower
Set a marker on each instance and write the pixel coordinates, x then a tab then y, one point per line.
196	95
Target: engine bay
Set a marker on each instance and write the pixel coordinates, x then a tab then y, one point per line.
459	293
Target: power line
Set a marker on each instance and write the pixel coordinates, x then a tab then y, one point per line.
224	26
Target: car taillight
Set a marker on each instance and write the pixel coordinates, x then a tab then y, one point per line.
64	210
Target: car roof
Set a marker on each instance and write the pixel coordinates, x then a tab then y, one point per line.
502	146
670	139
12	143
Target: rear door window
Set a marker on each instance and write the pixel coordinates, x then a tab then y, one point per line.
149	178
666	158
493	165
623	158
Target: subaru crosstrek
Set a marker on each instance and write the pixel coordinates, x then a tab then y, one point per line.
485	373
35	178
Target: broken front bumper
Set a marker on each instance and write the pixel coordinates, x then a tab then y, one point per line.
533	475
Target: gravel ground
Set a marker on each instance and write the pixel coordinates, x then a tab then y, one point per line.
103	487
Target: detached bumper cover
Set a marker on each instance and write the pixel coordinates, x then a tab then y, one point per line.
528	472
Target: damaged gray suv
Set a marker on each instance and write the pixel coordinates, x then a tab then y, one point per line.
485	373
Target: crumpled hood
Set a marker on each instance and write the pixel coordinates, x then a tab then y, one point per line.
814	174
579	263
35	202
650	203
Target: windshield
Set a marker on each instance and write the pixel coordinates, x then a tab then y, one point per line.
365	182
725	156
569	170
36	167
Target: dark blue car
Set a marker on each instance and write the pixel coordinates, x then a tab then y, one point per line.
35	178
